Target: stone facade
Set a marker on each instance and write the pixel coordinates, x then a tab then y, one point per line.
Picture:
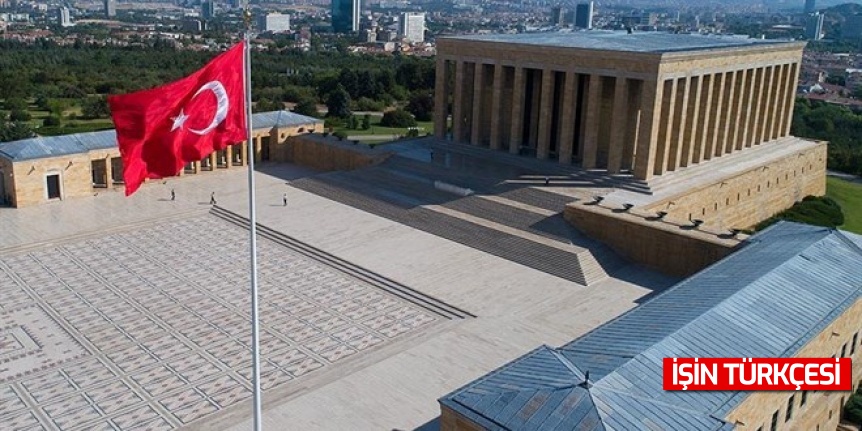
645	113
672	248
329	153
746	198
26	182
821	410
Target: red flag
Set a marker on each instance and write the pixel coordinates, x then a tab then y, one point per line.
162	129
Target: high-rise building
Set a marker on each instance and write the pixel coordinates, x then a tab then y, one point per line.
558	16
345	16
208	9
274	22
814	26
810	6
412	26
110	8
584	15
64	19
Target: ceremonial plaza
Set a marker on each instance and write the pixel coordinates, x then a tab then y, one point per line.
576	218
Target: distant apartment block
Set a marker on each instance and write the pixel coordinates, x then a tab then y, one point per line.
110	8
274	22
814	26
208	10
810	6
412	26
64	18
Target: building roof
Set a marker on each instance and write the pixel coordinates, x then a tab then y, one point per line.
646	42
767	300
53	146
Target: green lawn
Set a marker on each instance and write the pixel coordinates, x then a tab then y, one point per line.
425	127
849	196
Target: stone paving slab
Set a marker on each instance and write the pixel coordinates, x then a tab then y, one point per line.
149	328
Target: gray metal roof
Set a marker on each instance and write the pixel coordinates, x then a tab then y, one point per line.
767	300
647	42
53	146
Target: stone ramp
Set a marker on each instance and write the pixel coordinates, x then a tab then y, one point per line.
410	198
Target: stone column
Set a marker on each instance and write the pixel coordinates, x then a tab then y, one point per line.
441	97
567	123
109	180
692	117
591	135
650	107
517	132
750	99
228	154
244	153
620	125
213	161
678	130
756	119
724	138
702	135
791	96
665	131
476	117
780	102
768	107
546	112
535	105
717	126
633	123
499	79
736	124
458	103
198	167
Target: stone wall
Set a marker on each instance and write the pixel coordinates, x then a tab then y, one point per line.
672	248
451	421
329	153
822	409
747	198
29	178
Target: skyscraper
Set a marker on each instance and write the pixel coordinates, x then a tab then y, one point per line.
558	15
274	22
584	15
345	16
810	6
208	9
413	26
63	17
814	26
110	8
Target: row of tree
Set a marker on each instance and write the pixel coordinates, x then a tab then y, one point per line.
837	124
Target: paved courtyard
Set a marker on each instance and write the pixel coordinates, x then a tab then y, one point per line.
149	328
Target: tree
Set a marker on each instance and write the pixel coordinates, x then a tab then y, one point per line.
95	107
15	104
338	103
398	118
14	131
421	105
307	106
266	105
352	122
366	122
51	120
19	115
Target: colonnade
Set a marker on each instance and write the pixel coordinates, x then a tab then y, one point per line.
610	120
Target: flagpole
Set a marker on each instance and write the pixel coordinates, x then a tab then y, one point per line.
252	217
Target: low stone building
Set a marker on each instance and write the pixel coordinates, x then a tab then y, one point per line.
792	291
44	169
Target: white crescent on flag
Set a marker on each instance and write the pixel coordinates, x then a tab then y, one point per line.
221	111
222	106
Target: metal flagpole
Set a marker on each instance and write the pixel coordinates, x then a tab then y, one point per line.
255	318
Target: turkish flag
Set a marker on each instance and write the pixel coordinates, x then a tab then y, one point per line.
161	130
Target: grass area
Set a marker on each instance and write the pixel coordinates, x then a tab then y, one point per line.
425	127
70	123
849	196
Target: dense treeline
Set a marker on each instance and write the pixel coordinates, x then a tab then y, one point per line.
44	73
836	124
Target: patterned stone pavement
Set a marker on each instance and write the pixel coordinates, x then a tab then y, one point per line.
149	328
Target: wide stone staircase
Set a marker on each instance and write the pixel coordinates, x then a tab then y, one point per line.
403	190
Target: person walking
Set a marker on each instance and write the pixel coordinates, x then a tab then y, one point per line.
173	195
212	198
284	199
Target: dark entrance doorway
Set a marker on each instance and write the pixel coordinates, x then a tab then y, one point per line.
53	184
